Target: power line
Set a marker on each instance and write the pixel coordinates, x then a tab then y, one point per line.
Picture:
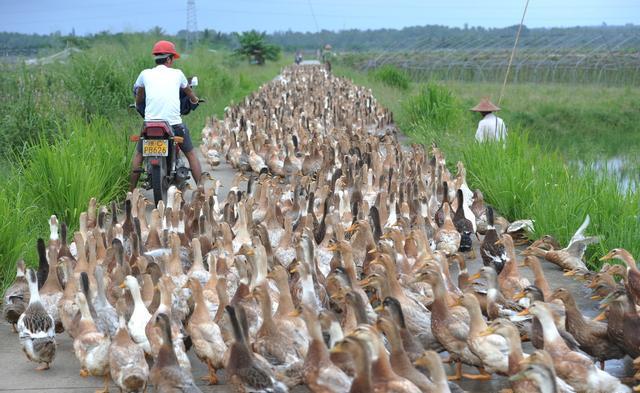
313	14
513	52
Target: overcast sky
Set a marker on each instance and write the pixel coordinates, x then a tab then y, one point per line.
86	16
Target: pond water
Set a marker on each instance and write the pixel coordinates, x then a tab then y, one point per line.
626	169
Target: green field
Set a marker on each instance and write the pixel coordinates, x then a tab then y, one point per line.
66	128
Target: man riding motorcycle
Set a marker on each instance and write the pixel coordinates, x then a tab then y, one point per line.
158	89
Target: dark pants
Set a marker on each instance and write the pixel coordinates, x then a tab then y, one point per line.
178	130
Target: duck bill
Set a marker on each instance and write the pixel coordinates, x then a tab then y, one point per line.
487	331
524	312
332	247
601	317
607	257
420	362
474	277
519	296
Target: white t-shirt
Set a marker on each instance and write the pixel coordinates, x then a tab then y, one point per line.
491	128
162	88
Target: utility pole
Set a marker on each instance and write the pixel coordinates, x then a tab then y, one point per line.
192	24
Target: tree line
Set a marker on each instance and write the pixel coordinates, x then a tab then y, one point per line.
415	37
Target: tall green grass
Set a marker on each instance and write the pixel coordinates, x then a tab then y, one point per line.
16	229
523	180
85	161
101	79
434	107
59	177
391	76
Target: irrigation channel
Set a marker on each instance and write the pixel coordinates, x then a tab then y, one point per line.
335	216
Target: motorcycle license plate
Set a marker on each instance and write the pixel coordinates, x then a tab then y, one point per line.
155	147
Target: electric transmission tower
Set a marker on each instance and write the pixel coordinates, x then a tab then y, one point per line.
192	24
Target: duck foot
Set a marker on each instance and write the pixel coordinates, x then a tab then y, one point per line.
212	378
483	376
602	365
42	367
106	385
458	375
84	373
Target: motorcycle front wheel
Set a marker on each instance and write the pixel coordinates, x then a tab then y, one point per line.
158	183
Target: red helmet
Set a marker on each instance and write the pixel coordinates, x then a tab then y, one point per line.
165	47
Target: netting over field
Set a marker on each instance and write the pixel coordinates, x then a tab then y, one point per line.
607	59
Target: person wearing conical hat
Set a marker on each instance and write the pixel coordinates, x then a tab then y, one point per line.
491	128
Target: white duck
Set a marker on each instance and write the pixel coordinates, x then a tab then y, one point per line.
140	316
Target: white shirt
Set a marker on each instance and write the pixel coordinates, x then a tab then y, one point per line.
162	89
491	128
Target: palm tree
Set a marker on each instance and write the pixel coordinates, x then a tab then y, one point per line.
254	47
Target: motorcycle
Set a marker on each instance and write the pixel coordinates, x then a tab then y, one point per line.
162	163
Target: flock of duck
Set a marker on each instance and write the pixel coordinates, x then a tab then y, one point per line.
331	269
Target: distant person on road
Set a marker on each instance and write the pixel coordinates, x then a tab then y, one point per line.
298	57
158	90
491	128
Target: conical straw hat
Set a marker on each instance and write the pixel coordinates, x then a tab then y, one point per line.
485	106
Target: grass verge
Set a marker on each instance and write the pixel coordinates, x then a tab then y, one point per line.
59	177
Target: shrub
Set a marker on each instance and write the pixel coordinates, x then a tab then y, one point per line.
391	76
435	107
102	78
